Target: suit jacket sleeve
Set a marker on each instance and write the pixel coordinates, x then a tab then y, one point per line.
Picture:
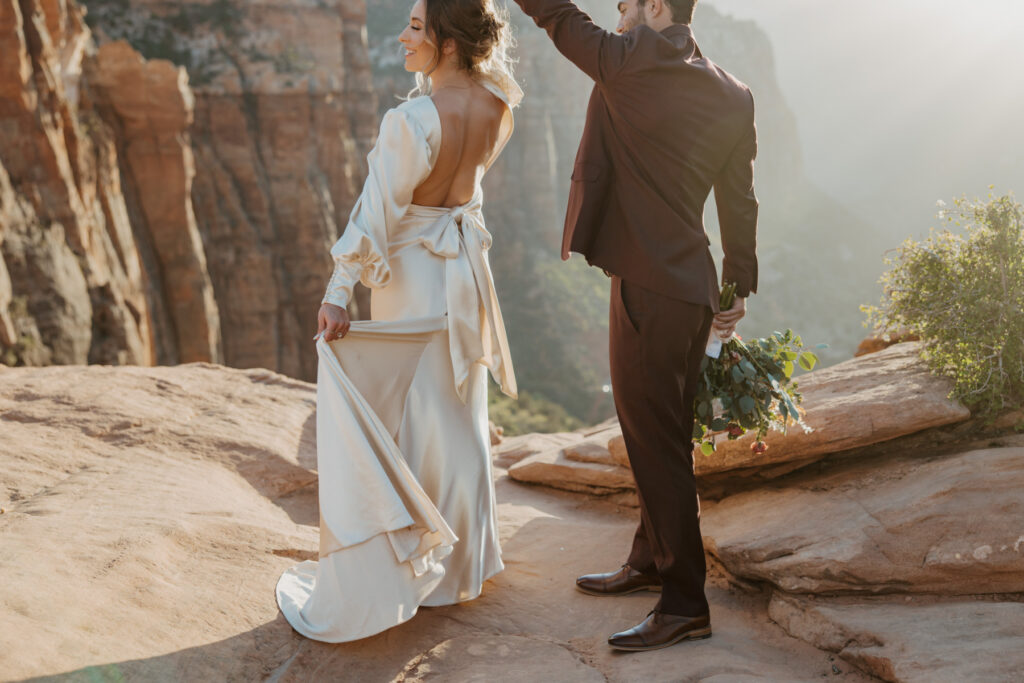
599	53
398	163
737	213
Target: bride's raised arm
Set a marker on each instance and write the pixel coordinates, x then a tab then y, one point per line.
398	164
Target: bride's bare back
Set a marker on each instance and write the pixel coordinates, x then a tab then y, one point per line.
470	124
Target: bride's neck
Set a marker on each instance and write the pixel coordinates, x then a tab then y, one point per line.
447	75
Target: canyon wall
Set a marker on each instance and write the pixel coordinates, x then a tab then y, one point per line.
285	113
172	194
150	107
72	288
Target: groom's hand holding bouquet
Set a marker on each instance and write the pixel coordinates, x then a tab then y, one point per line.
725	322
747	387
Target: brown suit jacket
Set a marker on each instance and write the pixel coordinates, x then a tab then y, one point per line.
664	126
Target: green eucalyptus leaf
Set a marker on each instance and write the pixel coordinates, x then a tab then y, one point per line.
707	448
719	424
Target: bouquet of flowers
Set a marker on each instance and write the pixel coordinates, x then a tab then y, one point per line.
749	386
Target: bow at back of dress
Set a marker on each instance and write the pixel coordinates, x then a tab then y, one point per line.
475	325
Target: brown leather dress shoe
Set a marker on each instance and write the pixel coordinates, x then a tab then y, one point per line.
661	630
626	580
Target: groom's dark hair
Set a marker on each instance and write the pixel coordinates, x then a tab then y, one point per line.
682	10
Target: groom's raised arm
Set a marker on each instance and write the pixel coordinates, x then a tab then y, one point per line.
599	53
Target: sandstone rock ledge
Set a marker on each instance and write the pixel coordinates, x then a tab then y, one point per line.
856	404
894	545
148	512
911	568
954	641
950	526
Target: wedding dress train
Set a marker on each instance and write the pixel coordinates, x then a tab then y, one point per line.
407	509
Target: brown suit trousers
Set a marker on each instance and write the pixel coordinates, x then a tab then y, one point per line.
657	343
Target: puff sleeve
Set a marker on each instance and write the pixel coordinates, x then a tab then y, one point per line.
398	164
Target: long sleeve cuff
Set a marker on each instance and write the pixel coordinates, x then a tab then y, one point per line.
744	292
746	282
339	289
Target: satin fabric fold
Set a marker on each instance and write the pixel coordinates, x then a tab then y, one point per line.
361	390
475	325
378	527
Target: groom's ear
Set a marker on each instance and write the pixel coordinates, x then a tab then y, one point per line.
657	14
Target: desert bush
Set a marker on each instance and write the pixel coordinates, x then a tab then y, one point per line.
962	291
529	414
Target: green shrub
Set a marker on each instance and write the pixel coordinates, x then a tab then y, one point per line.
529	414
963	293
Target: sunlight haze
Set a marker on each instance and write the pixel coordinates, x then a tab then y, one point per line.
900	103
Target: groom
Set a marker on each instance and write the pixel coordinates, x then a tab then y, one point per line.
664	126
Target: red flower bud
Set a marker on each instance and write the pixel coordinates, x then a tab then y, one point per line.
735	430
759	447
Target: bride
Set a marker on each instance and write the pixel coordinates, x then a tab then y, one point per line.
407	509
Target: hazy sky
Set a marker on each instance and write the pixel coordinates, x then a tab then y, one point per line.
901	102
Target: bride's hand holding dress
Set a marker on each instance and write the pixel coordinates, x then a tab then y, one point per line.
332	322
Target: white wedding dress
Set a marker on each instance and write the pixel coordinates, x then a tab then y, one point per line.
407	508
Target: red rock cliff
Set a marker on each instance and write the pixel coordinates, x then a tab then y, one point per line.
180	208
72	289
284	115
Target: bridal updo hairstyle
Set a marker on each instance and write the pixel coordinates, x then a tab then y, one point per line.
474	26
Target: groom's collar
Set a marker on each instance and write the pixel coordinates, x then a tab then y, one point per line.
678	33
